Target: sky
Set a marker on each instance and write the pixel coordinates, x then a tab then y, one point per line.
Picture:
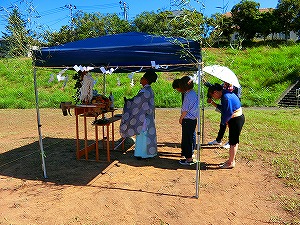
52	14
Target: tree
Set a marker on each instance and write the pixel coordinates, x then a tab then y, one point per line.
221	27
187	24
17	39
179	23
151	22
266	24
244	16
114	25
87	25
288	16
64	35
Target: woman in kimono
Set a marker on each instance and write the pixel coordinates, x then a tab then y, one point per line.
138	118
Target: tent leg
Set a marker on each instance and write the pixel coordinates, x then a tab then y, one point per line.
202	133
198	165
104	84
39	124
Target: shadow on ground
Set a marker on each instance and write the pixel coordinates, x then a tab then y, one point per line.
63	168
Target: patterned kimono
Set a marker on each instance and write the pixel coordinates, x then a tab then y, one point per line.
138	119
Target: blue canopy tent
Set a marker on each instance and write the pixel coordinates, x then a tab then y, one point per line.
125	52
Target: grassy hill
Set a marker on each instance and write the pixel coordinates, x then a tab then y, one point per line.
264	73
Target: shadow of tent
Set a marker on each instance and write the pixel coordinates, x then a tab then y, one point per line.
161	162
60	158
64	169
169	144
167	158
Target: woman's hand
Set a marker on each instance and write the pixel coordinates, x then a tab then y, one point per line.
183	114
180	120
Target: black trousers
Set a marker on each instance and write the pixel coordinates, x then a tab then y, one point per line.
221	132
188	137
235	127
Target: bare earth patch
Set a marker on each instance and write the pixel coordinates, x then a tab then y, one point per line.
127	190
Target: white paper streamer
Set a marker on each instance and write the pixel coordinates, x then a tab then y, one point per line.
109	71
63	71
103	70
89	68
131	83
51	78
194	78
76	68
153	65
83	68
66	81
139	70
60	77
130	76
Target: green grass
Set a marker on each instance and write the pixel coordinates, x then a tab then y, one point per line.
291	205
264	73
271	136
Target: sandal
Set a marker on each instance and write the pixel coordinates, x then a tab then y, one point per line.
226	165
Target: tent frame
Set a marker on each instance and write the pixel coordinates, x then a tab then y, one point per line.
39	125
199	122
200	128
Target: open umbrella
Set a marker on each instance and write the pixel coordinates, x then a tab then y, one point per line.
223	73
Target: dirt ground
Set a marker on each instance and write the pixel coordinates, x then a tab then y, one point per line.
126	190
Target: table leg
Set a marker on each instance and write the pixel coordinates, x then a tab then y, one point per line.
77	136
85	139
97	143
103	136
107	143
113	135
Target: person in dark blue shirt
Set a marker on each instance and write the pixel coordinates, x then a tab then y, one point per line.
222	129
231	115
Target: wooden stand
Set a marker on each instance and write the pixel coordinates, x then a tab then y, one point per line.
94	111
106	138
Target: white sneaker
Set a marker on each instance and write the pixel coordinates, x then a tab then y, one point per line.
214	142
227	146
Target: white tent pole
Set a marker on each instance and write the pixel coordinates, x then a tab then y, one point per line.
104	84
198	164
202	133
39	123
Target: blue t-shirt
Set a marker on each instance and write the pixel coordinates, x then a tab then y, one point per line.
190	104
229	103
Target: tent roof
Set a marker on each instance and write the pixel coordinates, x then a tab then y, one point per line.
127	51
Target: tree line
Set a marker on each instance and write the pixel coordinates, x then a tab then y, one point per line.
245	19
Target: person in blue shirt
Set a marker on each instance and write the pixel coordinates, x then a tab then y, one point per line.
232	115
188	119
176	86
222	129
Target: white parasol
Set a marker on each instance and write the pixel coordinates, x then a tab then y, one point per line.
223	73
